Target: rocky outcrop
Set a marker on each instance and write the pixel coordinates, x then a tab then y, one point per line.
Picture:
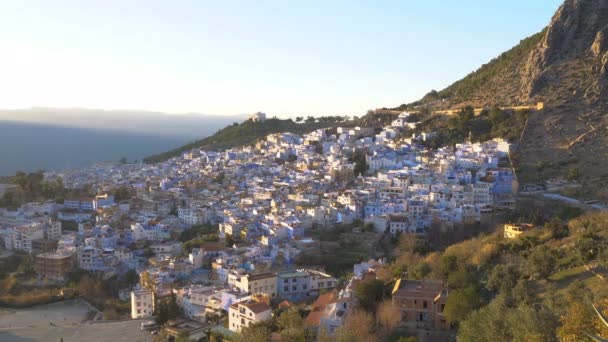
576	38
566	67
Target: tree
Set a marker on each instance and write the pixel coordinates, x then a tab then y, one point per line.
587	247
388	316
448	264
299	119
522	293
358	326
542	261
556	228
131	277
421	270
461	278
258	332
502	278
498	321
291	326
161	311
369	293
460	303
310	119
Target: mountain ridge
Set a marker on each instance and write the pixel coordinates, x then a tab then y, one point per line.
565	66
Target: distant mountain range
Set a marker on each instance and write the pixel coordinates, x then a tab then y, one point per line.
56	139
188	126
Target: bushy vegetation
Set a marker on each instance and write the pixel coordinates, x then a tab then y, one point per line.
489	124
337	252
33	187
475	81
538	287
248	133
198	231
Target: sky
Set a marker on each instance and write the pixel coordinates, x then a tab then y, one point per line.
227	57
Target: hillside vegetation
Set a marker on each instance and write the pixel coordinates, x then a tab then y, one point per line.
538	287
482	83
565	66
249	132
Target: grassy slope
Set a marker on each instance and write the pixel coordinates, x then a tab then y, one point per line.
477	81
248	133
243	134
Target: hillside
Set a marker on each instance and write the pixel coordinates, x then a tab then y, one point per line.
248	132
566	67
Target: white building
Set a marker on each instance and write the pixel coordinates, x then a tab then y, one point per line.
142	303
20	238
244	314
193	216
258	117
196	258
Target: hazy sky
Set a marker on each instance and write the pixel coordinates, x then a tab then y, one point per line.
227	57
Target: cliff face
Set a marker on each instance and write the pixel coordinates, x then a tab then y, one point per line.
566	67
570	63
568	70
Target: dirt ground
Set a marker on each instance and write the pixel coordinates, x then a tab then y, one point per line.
65	320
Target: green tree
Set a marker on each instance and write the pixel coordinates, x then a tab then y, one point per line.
448	264
369	293
498	321
557	229
542	261
421	270
460	303
131	277
258	332
522	293
461	278
291	326
587	247
502	278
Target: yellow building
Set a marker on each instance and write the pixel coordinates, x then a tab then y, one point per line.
514	230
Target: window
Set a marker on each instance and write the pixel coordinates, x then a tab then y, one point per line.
286	288
285	281
304	286
294	288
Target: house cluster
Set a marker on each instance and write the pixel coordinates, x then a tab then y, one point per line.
259	202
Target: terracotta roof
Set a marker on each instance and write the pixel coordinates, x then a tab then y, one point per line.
314	317
256	307
285	305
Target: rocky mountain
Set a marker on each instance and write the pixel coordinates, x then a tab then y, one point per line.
565	66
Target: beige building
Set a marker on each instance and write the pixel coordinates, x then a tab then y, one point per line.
142	303
53	265
265	283
514	230
244	314
422	303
